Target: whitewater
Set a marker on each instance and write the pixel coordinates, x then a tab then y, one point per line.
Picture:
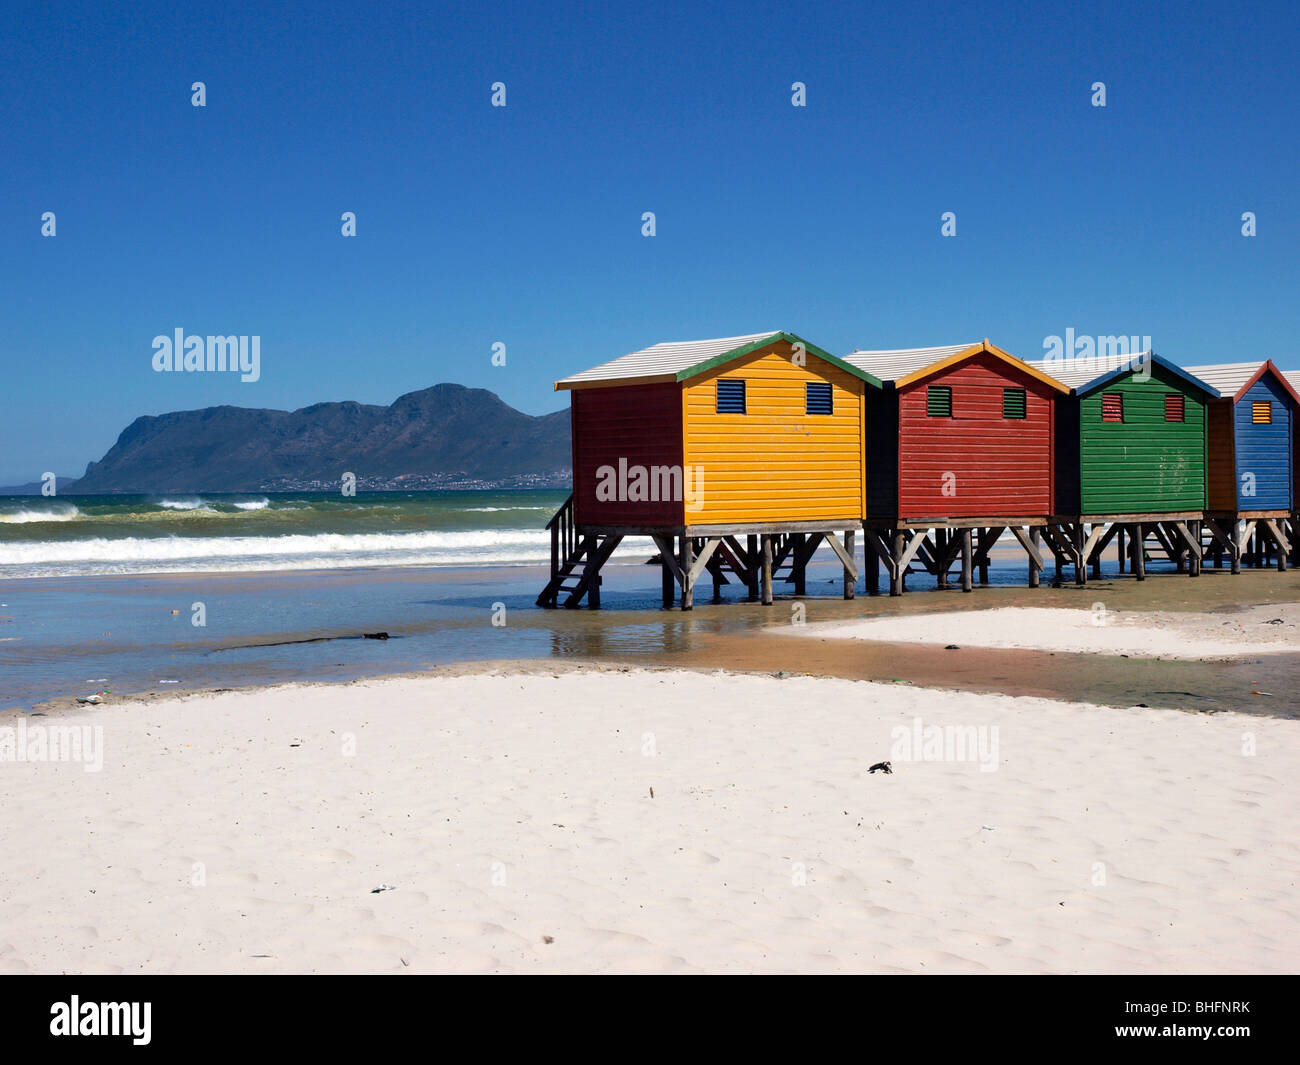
107	535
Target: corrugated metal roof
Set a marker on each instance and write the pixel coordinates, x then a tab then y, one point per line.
1081	370
665	360
1086	373
1227	377
898	363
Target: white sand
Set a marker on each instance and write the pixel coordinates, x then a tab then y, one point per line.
508	808
1169	634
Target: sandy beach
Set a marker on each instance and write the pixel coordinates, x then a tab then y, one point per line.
1144	634
543	819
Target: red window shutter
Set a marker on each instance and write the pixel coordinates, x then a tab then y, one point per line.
1175	408
1112	407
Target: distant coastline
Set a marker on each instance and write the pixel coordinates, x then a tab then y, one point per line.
557	480
447	437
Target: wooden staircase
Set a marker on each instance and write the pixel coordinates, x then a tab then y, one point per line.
570	549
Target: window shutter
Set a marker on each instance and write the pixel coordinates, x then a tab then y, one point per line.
817	397
731	396
938	401
1112	407
1261	412
1175	408
1013	403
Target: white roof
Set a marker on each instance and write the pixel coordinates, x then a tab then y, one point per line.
898	363
1227	377
664	360
1081	369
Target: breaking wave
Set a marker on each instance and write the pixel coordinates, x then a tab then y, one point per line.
174	554
66	512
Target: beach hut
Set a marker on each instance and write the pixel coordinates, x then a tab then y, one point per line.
960	449
737	455
1293	526
1131	459
1251	479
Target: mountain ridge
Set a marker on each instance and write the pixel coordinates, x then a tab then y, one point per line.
445	433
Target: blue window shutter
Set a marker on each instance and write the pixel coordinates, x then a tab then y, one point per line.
731	396
818	398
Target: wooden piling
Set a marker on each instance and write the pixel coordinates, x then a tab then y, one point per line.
751	560
896	578
767	568
798	565
850	582
687	563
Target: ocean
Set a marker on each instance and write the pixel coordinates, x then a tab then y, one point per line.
187	591
160	593
76	536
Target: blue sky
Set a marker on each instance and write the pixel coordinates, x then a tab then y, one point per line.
523	224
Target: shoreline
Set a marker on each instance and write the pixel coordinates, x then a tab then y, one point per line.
68	639
1254	677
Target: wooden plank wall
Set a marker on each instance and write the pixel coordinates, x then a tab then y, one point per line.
641	424
1221	462
776	462
1265	450
1144	464
998	465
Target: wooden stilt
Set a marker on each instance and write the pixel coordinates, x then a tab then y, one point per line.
896	578
798	565
687	564
1119	546
766	541
872	562
850	581
1080	565
941	557
751	560
1139	551
1034	569
966	583
1178	550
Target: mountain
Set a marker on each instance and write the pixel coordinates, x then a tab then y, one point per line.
447	434
35	488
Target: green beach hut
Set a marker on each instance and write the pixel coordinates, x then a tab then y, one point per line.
1131	458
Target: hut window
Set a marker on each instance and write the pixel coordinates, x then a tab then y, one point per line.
938	401
731	396
1261	412
817	397
1175	409
1013	403
1112	407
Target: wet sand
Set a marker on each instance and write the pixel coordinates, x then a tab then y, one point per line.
727	636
